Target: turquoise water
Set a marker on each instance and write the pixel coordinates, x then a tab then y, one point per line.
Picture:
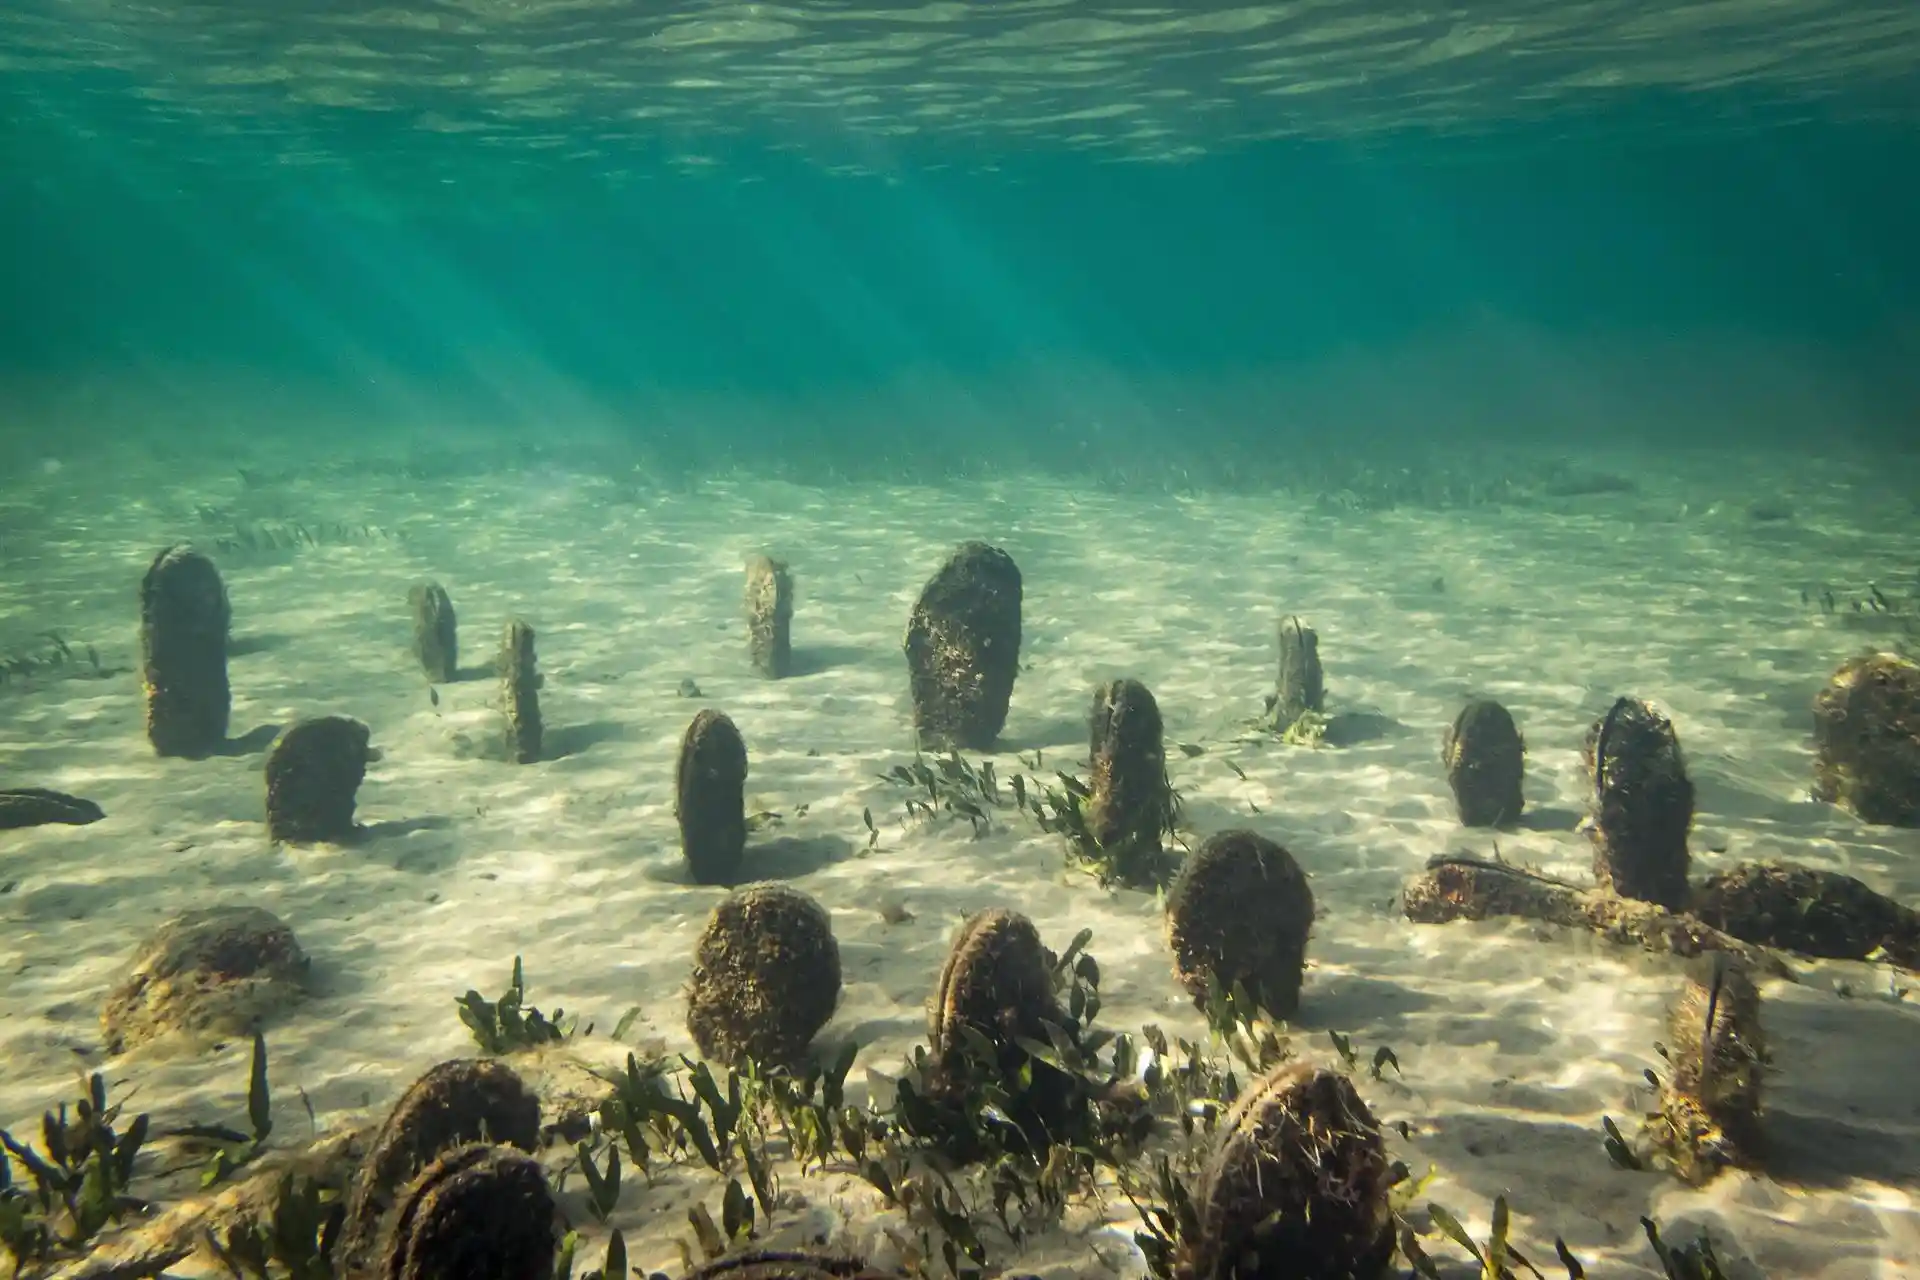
1037	232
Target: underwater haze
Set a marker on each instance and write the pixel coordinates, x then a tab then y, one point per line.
1036	639
1040	232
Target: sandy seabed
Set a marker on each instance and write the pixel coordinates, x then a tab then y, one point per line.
1513	1041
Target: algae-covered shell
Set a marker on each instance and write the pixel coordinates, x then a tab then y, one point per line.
996	980
1240	911
782	1264
462	1101
478	1212
1867	739
1296	1187
710	798
1810	910
1129	803
766	977
184	622
219	971
997	983
963	649
436	635
1710	1100
1300	685
1642	804
769	607
520	693
1485	759
314	772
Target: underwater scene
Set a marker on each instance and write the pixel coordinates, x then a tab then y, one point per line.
1207	641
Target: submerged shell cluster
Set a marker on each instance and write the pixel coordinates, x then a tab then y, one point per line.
1297	1180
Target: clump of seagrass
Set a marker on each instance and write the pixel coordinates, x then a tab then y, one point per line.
1709	1117
781	1264
520	693
38	806
55	658
1866	723
710	798
1815	912
436	637
216	972
963	649
314	773
1641	804
1485	758
184	619
1297	1187
766	977
478	1212
1238	916
75	1186
1296	708
455	1103
769	601
1130	806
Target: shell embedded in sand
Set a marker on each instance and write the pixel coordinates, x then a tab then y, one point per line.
520	694
1129	805
184	620
769	605
963	648
1297	1186
766	977
710	798
778	1264
1239	912
220	971
314	771
436	635
459	1102
1710	1096
478	1212
1642	804
1485	759
1867	738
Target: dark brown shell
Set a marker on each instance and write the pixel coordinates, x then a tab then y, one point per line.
520	693
1129	804
215	971
710	798
1711	1094
996	980
778	1264
963	649
1809	910
1642	805
766	977
184	621
436	636
1241	910
462	1101
1485	758
1300	686
1867	740
478	1212
314	772
1297	1186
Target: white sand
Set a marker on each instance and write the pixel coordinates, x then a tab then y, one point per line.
1513	1042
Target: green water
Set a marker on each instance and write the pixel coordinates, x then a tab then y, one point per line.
1028	233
